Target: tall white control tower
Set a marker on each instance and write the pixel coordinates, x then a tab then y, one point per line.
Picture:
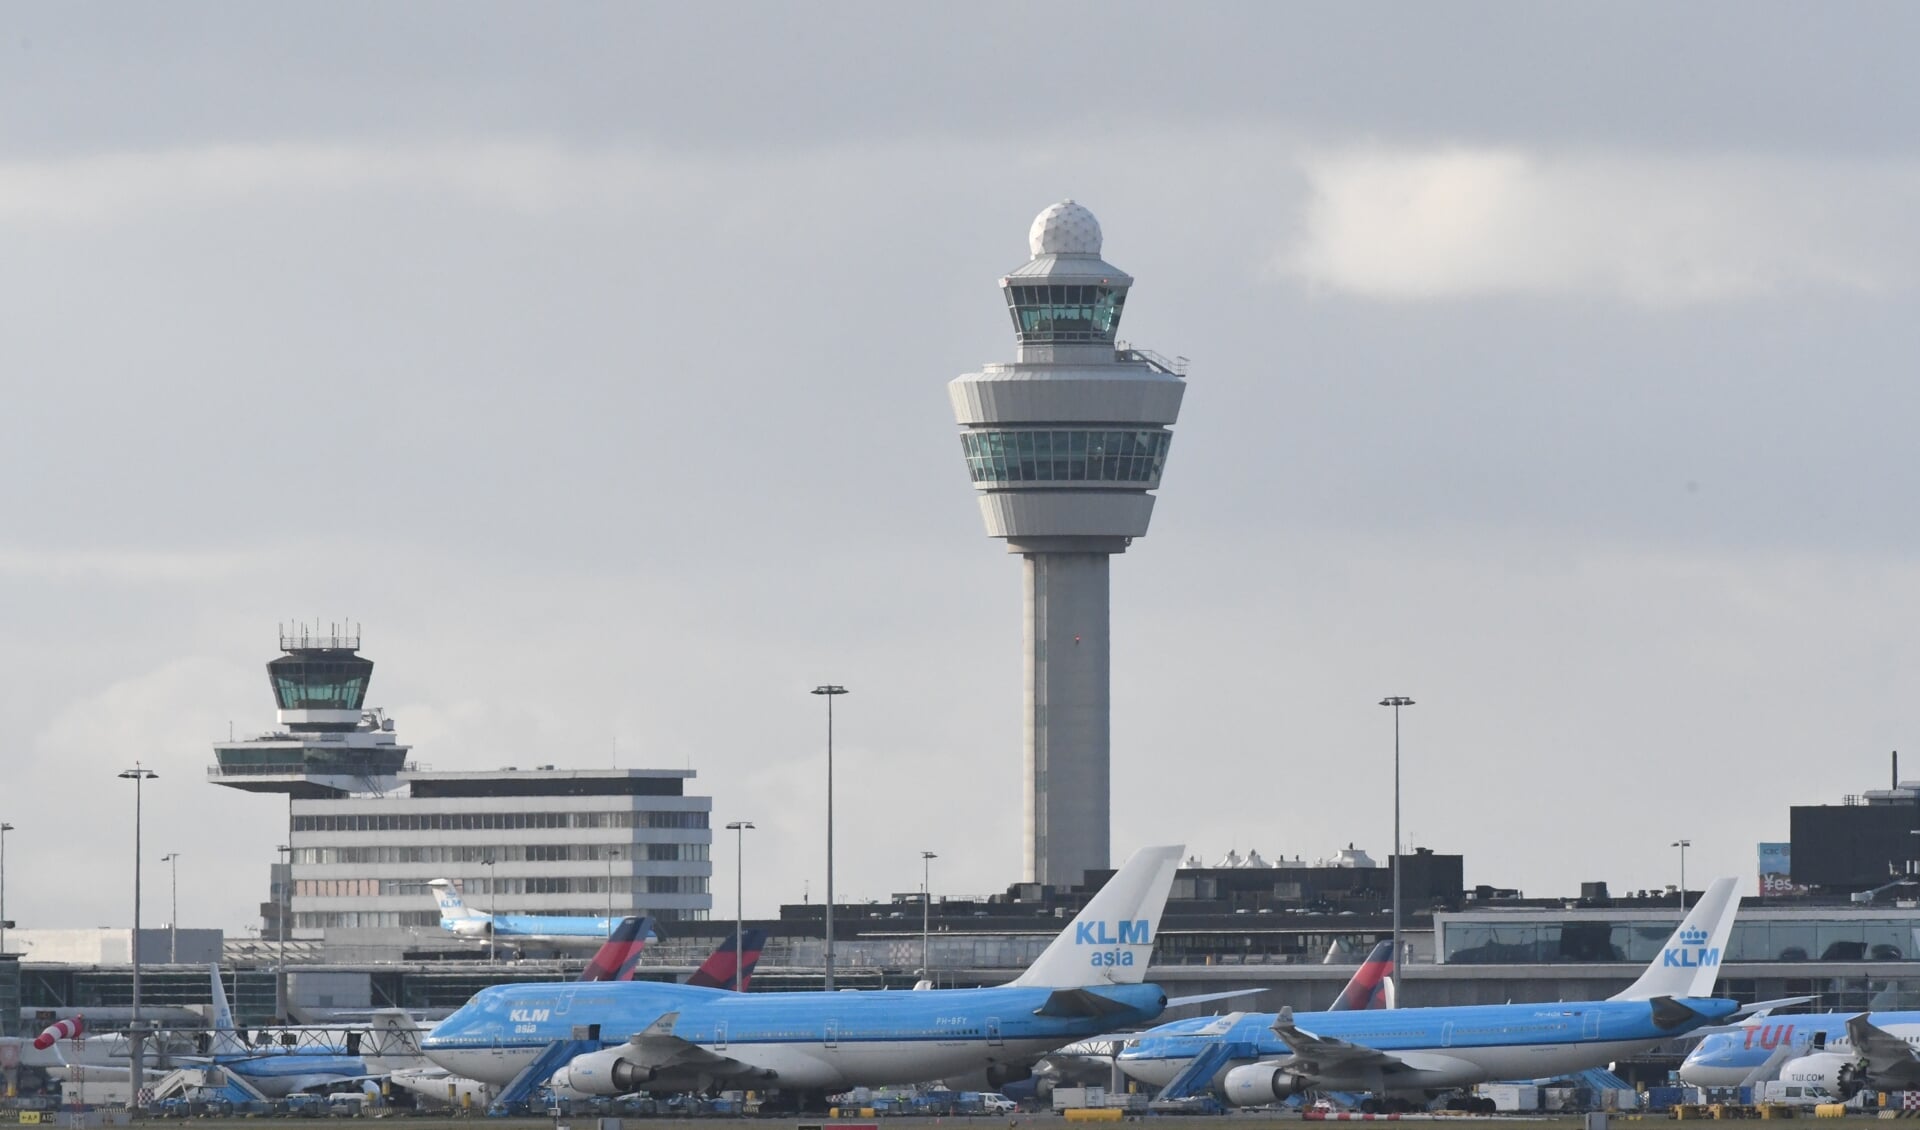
1064	445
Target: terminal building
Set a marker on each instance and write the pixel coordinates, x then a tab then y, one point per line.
367	830
1866	847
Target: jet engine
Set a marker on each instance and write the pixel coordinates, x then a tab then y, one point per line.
1830	1071
605	1072
1258	1084
1000	1074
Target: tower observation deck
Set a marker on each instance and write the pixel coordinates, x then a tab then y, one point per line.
327	744
1064	446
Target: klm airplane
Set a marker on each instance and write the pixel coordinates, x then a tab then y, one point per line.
665	1037
550	929
1254	1059
1841	1052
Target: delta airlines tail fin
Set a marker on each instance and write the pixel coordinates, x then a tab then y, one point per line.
226	1038
1112	939
1372	986
717	972
616	959
1689	963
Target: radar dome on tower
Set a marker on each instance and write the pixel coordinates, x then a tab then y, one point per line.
1065	228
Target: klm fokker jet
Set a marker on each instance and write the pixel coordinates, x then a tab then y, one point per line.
1259	1058
664	1037
456	917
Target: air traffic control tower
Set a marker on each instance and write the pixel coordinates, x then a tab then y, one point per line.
1064	446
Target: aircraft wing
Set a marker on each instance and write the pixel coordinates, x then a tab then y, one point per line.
1203	998
657	1047
1883	1053
1079	1002
1323	1055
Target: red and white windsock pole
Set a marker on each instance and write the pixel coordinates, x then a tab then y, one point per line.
71	1028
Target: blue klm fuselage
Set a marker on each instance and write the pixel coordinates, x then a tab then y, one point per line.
543	926
1477	1042
809	1039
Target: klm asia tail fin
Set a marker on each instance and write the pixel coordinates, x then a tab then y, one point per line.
1371	987
621	952
1689	963
226	1038
1112	939
717	972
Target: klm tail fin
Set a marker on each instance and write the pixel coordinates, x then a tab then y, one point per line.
1112	939
1689	963
448	897
717	972
226	1038
1370	987
621	952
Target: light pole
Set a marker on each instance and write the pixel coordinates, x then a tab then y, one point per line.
173	919
1683	845
4	829
613	853
829	690
493	910
1399	955
282	995
136	1038
739	828
926	908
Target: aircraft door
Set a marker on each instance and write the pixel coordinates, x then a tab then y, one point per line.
1446	1034
993	1031
833	1034
720	1034
1591	1028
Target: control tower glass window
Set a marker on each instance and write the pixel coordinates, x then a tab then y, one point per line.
1065	313
303	682
1034	456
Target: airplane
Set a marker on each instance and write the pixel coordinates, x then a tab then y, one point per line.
1260	1058
457	918
661	1037
275	1071
396	1036
1841	1052
1091	1061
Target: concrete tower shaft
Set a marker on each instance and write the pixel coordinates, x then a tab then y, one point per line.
1064	445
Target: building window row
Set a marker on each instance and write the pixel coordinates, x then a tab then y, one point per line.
1066	456
402	919
501	853
494	821
1065	313
1471	943
516	885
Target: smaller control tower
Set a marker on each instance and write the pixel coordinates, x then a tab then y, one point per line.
1065	446
327	744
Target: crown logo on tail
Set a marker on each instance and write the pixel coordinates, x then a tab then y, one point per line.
1693	937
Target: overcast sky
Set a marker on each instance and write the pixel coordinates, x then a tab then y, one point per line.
1552	366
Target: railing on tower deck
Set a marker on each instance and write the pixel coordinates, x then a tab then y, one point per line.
1172	366
313	769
